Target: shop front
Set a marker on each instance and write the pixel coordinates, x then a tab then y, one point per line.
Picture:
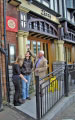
69	40
39	33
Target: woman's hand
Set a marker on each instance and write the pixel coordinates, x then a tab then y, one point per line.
22	77
25	80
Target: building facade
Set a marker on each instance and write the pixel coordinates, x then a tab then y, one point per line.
47	25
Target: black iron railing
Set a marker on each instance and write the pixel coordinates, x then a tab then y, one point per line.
51	88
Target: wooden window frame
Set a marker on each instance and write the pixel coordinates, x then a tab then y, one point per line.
9	54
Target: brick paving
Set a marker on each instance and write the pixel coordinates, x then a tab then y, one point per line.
12	114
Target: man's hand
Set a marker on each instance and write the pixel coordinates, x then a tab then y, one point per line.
36	70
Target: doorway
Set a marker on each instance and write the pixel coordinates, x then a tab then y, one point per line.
36	46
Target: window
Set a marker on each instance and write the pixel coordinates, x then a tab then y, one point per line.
52	6
23	20
69	3
28	44
68	15
60	7
34	47
46	2
67	54
56	6
42	26
39	0
38	46
12	53
47	28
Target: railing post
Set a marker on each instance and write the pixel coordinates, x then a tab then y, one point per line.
37	98
66	80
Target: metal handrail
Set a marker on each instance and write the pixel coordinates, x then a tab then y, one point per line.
60	68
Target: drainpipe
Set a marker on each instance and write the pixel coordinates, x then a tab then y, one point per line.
5	47
1	105
2	50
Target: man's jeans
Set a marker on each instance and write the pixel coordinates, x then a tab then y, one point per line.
25	86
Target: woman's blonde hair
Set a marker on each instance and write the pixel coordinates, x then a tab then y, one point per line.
19	60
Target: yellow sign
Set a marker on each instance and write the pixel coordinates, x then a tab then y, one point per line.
30	7
53	84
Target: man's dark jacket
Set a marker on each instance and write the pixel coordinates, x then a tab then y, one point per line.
27	67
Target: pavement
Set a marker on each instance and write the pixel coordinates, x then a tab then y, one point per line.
9	113
67	114
58	111
63	110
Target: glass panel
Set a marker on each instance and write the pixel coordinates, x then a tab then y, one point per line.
65	54
56	6
39	46
47	53
68	15
28	44
39	0
38	26
12	53
12	50
52	6
69	3
21	17
24	18
46	28
46	3
35	25
34	47
44	49
69	55
22	23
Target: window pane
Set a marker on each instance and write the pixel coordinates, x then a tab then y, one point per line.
56	6
46	3
39	0
24	18
34	47
12	55
60	7
65	54
69	55
68	15
28	44
38	45
12	50
51	4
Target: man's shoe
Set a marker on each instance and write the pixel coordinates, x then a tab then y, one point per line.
28	98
